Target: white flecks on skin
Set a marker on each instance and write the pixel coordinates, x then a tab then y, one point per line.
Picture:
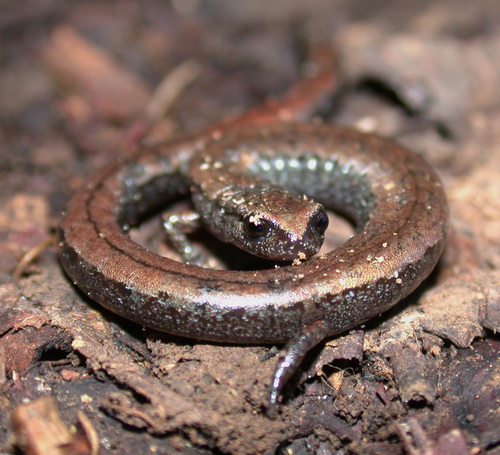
293	163
265	166
346	168
255	218
279	164
328	166
312	164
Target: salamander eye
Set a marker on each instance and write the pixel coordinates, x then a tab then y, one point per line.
256	227
320	222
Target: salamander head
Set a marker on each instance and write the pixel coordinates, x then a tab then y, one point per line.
278	225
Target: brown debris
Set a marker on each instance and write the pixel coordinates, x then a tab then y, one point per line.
472	384
110	91
416	440
30	256
39	430
166	408
22	348
335	357
415	374
452	313
490	309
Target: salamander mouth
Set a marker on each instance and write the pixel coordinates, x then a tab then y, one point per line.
281	247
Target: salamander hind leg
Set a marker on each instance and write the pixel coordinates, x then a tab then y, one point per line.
291	358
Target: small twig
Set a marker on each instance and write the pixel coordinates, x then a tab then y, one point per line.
31	255
90	432
170	89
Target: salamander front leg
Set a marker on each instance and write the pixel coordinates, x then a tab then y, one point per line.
293	354
176	225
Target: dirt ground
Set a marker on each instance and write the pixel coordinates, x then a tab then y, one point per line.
78	86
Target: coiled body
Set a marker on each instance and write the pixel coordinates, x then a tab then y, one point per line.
394	198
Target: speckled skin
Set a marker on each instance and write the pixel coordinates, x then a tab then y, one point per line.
395	199
232	201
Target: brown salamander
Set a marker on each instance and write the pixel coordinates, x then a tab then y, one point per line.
264	187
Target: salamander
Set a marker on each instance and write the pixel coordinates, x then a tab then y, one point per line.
266	188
